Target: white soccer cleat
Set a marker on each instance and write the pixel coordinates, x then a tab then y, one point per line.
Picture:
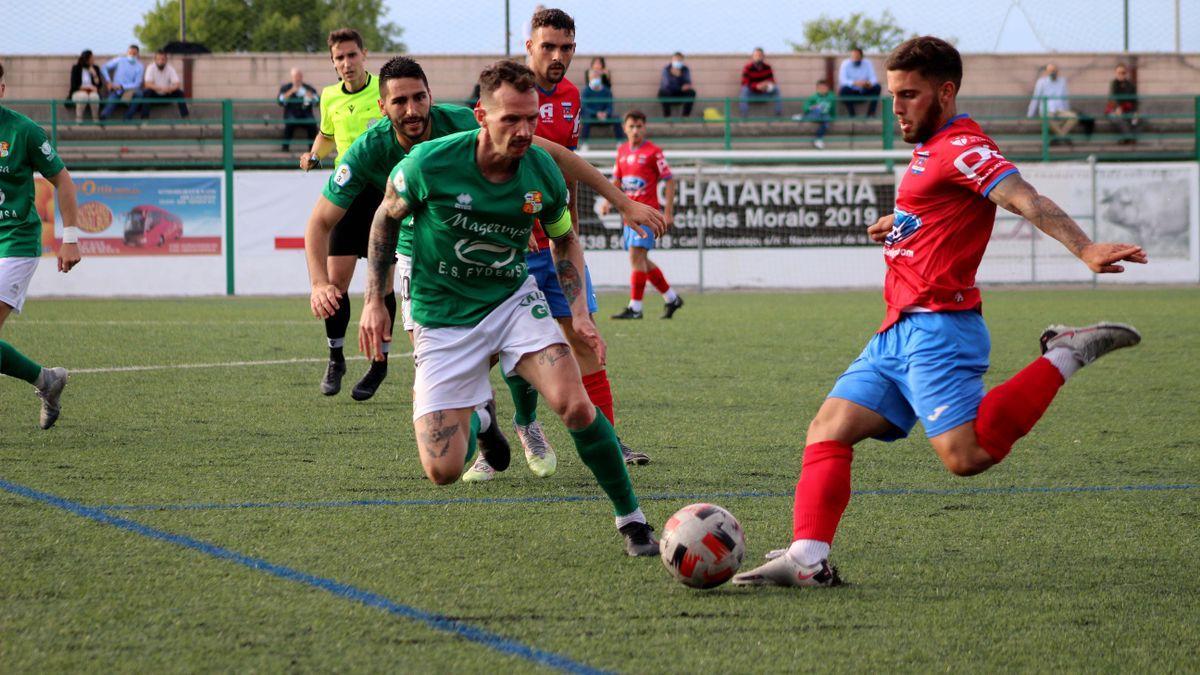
1089	343
479	472
538	454
50	393
783	571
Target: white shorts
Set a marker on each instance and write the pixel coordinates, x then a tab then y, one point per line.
15	274
453	363
403	281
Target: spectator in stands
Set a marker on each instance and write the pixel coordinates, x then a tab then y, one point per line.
85	86
598	101
297	99
123	77
676	83
758	83
819	108
1051	89
1122	106
162	81
856	78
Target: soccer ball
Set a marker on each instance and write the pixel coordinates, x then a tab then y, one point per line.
703	545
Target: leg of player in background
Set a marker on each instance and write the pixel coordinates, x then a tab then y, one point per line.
341	270
15	274
671	299
637	279
369	384
556	376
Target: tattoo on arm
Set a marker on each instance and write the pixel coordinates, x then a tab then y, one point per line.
1017	195
437	435
569	276
385	231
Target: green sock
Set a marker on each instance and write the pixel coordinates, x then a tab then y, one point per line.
15	364
524	397
471	438
598	448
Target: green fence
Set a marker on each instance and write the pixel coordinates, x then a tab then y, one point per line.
247	133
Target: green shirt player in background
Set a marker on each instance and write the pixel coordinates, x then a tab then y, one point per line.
348	109
411	117
24	149
472	296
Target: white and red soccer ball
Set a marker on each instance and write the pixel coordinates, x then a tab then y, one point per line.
702	545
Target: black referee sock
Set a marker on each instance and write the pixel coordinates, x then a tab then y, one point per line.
389	301
335	328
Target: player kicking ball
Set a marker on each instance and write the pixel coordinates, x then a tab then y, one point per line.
472	296
639	168
24	149
928	358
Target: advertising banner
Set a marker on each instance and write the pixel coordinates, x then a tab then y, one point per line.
763	207
141	214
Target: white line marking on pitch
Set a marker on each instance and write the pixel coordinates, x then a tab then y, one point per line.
228	364
149	322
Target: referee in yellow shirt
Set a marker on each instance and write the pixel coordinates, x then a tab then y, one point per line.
348	109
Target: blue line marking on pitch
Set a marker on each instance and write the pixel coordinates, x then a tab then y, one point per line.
703	496
339	589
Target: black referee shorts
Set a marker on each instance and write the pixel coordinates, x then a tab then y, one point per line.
353	232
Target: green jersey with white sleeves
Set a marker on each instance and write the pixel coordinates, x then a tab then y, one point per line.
373	155
24	149
470	234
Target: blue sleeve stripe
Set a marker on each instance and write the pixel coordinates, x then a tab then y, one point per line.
987	190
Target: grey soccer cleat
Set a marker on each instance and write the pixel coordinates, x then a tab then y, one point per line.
639	539
783	571
538	454
1089	343
331	383
51	391
632	456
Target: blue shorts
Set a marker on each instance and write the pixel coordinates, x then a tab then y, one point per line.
632	238
928	365
541	267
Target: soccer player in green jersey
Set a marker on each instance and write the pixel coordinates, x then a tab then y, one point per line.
411	117
348	109
24	149
474	197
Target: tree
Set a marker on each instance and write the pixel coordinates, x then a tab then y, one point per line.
827	34
269	25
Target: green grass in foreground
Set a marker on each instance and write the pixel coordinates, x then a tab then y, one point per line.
719	397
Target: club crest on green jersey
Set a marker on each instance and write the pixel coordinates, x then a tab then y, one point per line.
4	148
533	202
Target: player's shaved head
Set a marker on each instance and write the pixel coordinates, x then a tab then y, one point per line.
933	58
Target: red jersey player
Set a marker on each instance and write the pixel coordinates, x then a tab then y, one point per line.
929	356
550	48
639	168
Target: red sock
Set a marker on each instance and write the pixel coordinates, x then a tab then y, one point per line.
637	285
660	282
822	491
1010	410
600	392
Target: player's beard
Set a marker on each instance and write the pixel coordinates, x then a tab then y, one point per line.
555	72
403	127
927	126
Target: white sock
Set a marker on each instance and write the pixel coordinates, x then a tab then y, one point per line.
41	379
1063	359
334	343
670	295
808	552
485	419
635	305
635	517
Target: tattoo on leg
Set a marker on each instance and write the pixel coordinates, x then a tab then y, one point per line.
552	355
437	435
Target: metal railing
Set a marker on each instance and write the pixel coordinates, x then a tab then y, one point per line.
248	133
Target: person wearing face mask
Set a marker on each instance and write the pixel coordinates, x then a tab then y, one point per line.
597	101
676	83
856	78
1052	88
123	76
